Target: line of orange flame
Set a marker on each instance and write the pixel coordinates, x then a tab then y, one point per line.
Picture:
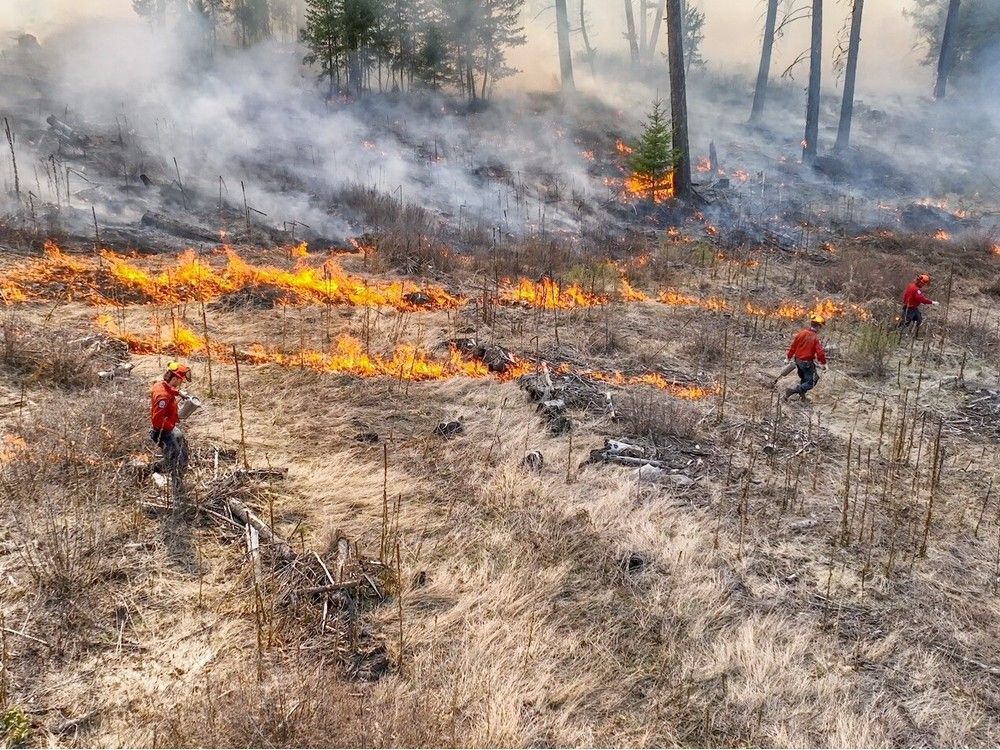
550	295
116	280
348	356
786	310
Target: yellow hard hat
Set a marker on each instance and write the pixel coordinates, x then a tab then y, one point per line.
818	320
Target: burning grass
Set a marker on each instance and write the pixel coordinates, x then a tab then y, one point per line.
115	279
827	308
550	295
349	356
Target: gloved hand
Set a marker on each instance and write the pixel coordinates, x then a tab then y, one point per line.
825	368
788	360
935	304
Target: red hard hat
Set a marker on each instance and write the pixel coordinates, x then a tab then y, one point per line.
181	371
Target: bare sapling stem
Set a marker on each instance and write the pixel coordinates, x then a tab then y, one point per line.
844	533
935	478
239	403
569	460
11	140
399	600
385	501
208	348
982	512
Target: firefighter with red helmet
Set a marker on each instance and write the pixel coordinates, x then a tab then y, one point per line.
164	417
913	298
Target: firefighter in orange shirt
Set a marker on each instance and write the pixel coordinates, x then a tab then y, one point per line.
913	298
807	353
163	417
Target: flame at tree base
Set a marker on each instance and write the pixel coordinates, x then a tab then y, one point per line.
647	188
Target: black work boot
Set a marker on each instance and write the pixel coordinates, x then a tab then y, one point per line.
789	392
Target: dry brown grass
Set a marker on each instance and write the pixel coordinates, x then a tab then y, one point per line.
648	413
520	621
404	236
53	356
861	274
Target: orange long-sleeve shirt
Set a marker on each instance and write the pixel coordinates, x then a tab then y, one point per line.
914	298
807	346
163	406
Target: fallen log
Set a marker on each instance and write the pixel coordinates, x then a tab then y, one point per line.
613	458
178	228
272	473
331	587
71	725
246	516
64	132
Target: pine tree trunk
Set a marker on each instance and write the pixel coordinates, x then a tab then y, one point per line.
354	74
764	71
946	59
810	142
643	20
678	98
633	43
565	53
850	77
586	40
654	36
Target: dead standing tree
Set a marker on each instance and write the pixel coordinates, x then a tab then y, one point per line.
633	40
590	52
946	58
792	12
810	142
850	78
678	98
654	35
764	71
565	53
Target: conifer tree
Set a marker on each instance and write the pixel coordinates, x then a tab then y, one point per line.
321	36
653	158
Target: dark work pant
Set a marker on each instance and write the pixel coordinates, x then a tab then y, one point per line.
911	317
808	376
175	453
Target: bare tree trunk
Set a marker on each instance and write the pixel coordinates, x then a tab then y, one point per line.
643	20
565	53
850	77
946	59
678	98
809	143
591	53
654	36
764	71
633	42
